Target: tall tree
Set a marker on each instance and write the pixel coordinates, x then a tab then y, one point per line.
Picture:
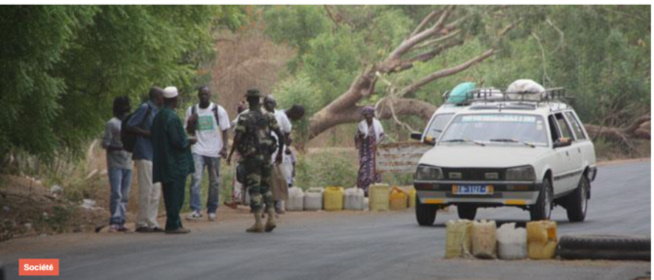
62	65
401	58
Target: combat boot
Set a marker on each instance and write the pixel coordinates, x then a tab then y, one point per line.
271	223
258	225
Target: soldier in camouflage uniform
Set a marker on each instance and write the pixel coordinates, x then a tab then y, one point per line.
253	141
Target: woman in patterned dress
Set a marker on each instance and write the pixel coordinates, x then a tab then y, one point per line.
369	133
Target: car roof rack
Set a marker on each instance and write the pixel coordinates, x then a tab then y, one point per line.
522	99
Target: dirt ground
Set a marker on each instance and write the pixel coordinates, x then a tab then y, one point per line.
28	209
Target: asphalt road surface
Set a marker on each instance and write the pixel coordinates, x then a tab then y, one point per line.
347	245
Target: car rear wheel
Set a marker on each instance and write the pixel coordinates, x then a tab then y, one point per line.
577	201
466	211
425	213
543	207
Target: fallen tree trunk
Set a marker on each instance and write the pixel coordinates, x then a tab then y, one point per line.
640	128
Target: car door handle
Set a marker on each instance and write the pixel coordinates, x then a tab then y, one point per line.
579	150
567	154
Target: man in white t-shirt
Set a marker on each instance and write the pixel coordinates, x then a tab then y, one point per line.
279	181
209	123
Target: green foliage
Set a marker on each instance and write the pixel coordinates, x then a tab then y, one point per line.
333	62
601	54
299	90
327	168
34	39
65	64
295	26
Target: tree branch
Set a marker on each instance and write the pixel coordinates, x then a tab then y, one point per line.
406	106
438	40
331	16
407	64
424	23
637	123
446	72
413	40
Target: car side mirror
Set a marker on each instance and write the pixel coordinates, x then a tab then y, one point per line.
562	142
427	141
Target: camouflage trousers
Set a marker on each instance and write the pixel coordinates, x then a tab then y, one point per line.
258	170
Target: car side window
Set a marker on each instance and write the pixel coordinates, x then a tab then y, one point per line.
576	125
563	125
438	124
554	128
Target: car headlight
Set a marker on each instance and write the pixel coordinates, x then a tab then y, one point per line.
521	173
426	172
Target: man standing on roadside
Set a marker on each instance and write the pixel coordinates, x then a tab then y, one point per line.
210	124
255	145
172	159
279	181
119	166
149	193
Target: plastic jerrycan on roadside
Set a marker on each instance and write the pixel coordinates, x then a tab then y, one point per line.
333	199
412	197
511	242
457	239
353	199
295	199
379	197
313	199
398	199
541	239
484	239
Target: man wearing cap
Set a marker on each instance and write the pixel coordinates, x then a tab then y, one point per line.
172	159
253	142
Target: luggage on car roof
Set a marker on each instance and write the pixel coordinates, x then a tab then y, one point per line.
459	93
525	89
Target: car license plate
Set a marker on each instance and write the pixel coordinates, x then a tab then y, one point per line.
472	189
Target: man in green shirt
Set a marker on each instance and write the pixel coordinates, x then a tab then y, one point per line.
172	159
254	142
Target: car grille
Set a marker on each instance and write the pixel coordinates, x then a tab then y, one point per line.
473	174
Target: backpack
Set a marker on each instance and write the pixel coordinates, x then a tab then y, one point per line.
257	137
129	138
214	110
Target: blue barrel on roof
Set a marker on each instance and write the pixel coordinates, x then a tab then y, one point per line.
460	91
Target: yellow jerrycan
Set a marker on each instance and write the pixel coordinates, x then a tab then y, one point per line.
379	197
333	198
458	238
398	199
412	197
541	239
484	239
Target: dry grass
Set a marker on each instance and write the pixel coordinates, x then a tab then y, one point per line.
246	60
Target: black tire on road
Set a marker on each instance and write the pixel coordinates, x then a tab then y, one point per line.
577	202
466	211
543	207
425	213
605	243
575	254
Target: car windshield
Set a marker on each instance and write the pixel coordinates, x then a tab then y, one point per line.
437	125
510	129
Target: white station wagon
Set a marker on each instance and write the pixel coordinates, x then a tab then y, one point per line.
508	152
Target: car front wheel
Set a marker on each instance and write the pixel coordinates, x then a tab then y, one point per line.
543	207
425	213
577	201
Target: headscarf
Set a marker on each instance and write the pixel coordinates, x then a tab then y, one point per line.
368	110
363	125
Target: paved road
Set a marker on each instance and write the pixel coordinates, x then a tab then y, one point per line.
359	245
